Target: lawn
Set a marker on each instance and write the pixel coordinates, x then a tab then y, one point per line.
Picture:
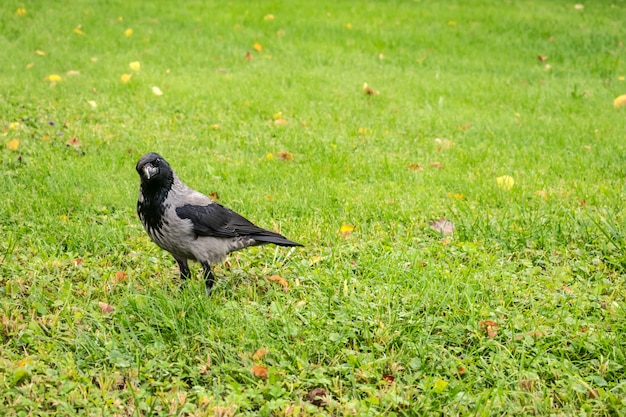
495	120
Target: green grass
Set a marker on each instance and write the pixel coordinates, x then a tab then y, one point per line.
390	320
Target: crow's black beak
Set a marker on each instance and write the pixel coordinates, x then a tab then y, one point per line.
150	171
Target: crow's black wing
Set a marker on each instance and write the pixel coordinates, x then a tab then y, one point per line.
218	221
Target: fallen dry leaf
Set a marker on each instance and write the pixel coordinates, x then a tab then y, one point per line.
248	56
128	32
260	371
79	30
268	17
280	122
389	378
92	103
279	280
505	182
13	144
286	156
491	327
53	78
106	308
121	275
157	91
619	101
72	73
542	58
73	142
40	52
443	226
369	90
260	353
135	65
214	196
125	78
414	167
78	261
345	230
437	165
318	397
21	11
257	47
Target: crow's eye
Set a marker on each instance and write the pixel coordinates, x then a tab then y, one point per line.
157	161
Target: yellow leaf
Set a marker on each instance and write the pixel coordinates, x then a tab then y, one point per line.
13	144
260	353
279	280
268	17
157	91
21	11
79	30
135	65
53	78
257	47
128	32
346	230
440	385
92	103
620	101
215	127
269	156
126	78
15	125
278	115
260	371
40	53
505	182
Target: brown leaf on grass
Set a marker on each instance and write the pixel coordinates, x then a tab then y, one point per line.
542	58
527	385
414	167
318	397
437	165
214	196
388	378
106	308
491	327
248	56
346	230
443	226
279	280
73	142
120	276
280	122
285	156
260	353
260	371
78	261
567	289
461	370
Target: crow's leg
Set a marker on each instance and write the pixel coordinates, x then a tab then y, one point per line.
184	268
208	276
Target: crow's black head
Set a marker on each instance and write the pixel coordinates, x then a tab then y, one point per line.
154	171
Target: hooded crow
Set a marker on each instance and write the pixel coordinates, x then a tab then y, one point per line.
190	225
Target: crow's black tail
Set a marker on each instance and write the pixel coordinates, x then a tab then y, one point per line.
270	237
